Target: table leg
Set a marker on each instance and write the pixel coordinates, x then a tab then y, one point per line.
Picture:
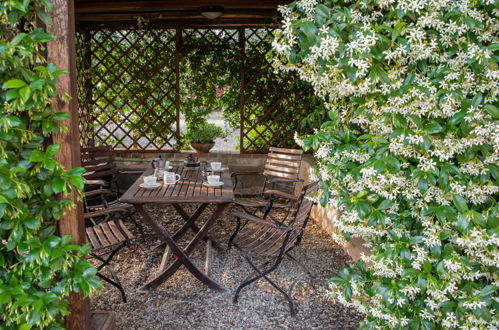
189	220
190	223
183	258
158	229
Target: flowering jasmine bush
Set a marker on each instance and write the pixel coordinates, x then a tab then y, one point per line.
410	152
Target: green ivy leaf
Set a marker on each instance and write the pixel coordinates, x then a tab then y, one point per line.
24	326
13	83
487	291
433	127
492	110
58	185
459	203
60	116
348	292
77	181
52	150
462	223
37	156
25	93
363	208
385	204
31	223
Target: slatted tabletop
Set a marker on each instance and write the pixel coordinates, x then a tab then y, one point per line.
189	189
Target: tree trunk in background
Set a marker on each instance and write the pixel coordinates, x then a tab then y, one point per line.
61	51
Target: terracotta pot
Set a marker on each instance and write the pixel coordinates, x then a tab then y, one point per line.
202	148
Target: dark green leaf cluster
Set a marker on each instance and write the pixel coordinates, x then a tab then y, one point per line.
38	269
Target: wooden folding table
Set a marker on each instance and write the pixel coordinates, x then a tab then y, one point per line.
189	189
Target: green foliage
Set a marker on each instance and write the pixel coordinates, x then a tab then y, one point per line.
204	132
38	270
409	152
209	76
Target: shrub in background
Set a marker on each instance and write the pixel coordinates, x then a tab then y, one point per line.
38	270
410	152
204	132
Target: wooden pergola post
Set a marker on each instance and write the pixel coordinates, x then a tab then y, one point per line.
61	51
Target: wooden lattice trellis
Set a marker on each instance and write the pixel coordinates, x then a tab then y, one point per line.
274	104
133	88
132	102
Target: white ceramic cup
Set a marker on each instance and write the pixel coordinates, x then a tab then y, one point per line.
167	164
149	180
213	179
216	166
159	173
171	178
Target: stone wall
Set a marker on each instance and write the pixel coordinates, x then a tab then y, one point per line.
326	216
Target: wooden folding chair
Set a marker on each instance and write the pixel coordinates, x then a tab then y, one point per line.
101	184
107	238
99	200
281	172
100	166
272	240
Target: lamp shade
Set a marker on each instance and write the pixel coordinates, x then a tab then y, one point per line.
212	12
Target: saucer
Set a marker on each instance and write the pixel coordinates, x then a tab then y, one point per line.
153	186
218	184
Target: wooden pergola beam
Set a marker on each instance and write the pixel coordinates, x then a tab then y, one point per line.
183	24
61	51
177	14
128	5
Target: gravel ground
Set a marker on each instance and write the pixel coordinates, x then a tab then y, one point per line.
183	302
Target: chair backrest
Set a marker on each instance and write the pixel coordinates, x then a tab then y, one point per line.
283	163
304	206
99	162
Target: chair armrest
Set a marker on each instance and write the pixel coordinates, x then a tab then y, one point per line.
276	180
130	171
253	218
97	192
104	212
282	194
97	182
234	174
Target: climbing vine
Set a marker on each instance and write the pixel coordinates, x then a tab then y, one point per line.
38	270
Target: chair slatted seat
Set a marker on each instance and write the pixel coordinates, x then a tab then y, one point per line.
111	236
272	239
107	234
268	243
